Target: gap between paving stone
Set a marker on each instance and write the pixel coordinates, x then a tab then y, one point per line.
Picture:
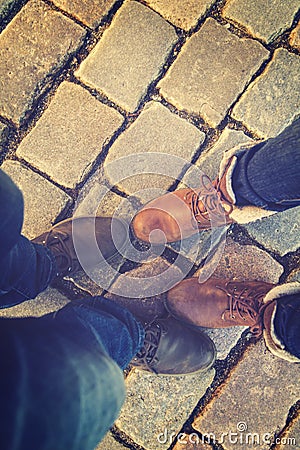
134	289
3	129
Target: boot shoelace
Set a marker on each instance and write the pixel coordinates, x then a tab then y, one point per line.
147	355
56	242
247	305
211	198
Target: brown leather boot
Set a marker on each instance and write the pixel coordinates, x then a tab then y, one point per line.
182	213
219	303
110	234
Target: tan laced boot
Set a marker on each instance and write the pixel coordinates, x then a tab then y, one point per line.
182	213
219	303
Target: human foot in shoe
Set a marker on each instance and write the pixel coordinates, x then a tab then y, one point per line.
219	303
182	213
97	239
170	348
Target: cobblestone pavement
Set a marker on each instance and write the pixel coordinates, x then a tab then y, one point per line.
84	83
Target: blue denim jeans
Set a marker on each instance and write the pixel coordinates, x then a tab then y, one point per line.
287	323
267	175
61	383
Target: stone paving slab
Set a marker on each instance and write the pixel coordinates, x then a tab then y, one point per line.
290	440
193	81
109	443
129	55
42	204
240	262
191	442
48	301
275	94
209	162
142	303
70	135
295	37
183	14
156	130
264	20
247	262
255	399
279	232
33	47
157	406
90	13
201	245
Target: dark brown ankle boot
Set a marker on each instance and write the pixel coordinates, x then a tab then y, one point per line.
170	348
91	235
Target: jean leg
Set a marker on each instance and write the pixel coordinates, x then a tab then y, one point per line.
268	175
11	215
287	323
26	269
59	388
132	332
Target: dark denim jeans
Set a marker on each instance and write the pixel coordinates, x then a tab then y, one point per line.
287	323
61	384
267	175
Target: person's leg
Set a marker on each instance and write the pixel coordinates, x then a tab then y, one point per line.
61	384
11	213
267	175
287	323
26	268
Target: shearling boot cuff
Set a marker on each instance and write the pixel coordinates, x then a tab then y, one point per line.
229	162
273	341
